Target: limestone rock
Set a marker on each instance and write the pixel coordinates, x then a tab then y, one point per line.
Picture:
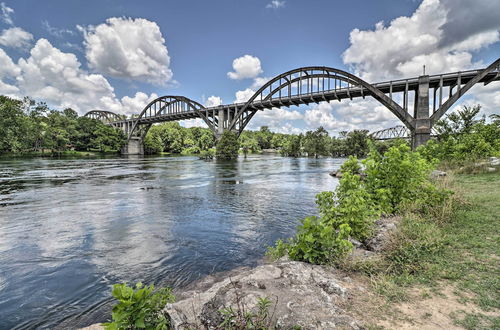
302	295
383	229
437	174
494	161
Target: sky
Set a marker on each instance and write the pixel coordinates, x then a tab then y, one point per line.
119	55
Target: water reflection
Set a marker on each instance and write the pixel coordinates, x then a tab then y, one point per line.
71	228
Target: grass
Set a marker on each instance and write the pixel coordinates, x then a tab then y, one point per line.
458	246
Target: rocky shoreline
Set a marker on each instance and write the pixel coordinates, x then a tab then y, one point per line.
300	294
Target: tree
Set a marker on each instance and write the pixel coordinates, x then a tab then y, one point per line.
228	146
357	143
13	126
291	146
264	137
459	122
316	142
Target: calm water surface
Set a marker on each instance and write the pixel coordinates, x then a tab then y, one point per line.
69	229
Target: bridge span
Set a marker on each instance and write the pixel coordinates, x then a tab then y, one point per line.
428	96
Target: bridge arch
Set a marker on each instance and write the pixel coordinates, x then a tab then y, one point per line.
167	105
289	87
103	115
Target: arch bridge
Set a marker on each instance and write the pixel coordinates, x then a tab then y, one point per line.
417	102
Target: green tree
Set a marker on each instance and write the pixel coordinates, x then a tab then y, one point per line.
356	143
228	146
316	142
291	146
14	126
264	137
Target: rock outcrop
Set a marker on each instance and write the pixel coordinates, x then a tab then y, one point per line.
301	295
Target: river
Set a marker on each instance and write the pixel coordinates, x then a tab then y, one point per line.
70	228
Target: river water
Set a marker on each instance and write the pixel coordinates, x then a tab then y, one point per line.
70	228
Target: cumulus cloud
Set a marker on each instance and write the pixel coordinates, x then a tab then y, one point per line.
8	72
246	66
428	37
244	95
275	4
55	77
16	38
336	117
128	48
443	35
6	15
213	101
278	120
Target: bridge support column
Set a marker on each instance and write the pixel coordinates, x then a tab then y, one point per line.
222	123
134	146
422	131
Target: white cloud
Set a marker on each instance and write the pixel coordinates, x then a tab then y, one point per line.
128	48
258	82
246	66
57	78
8	72
213	101
6	14
275	4
15	37
407	43
243	96
278	120
361	114
443	35
56	32
134	105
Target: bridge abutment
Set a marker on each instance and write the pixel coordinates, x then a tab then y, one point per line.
134	146
422	130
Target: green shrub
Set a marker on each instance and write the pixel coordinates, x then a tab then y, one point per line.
139	308
207	154
396	176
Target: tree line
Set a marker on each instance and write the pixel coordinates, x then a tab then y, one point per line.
29	127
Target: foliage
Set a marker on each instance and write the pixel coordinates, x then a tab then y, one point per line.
241	319
26	126
139	308
464	138
228	146
316	142
395	177
291	146
207	154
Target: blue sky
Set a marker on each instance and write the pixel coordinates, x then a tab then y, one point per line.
128	52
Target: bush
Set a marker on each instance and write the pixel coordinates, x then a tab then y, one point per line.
391	182
139	308
396	176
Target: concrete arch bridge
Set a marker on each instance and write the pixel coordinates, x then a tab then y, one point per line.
431	97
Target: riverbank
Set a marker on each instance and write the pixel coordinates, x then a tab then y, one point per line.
443	277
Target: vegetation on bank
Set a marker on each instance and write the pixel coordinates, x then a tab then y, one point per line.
29	128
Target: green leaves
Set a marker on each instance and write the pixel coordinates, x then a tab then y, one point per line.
139	308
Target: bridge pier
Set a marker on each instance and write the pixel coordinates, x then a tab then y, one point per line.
134	146
422	131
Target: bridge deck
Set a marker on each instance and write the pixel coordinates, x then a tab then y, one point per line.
387	87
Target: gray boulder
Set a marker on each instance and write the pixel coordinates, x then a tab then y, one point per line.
301	294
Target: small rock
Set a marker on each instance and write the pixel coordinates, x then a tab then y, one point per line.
494	161
336	174
437	174
490	169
